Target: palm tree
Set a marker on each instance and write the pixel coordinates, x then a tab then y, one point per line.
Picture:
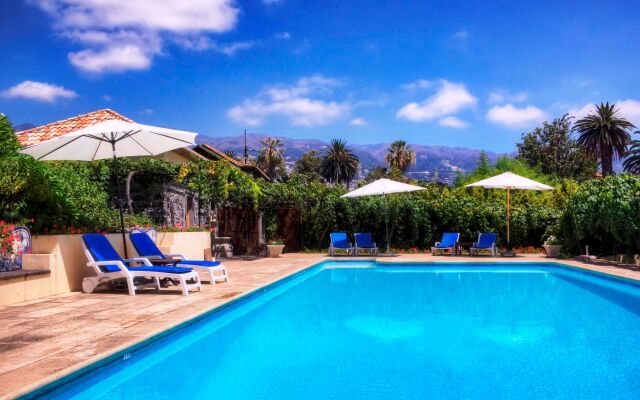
339	165
400	156
632	163
604	135
271	156
231	153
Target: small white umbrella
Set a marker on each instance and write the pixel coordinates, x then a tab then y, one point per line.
383	187
509	181
111	139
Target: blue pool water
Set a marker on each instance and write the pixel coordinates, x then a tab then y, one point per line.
361	331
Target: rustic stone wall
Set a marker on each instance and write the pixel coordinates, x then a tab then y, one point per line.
175	204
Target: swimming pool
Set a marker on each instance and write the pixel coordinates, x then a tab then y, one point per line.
360	330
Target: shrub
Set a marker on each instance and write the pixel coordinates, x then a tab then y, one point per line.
605	215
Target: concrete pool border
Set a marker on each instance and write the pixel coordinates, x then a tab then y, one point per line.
73	372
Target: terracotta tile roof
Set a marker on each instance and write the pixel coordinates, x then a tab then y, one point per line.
55	129
211	152
223	156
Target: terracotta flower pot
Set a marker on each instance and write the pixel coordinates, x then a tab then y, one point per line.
275	250
552	250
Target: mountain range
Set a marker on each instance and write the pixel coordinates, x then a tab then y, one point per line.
443	161
440	163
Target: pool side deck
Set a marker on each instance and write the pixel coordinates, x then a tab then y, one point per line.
45	339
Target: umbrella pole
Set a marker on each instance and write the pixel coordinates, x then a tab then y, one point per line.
119	191
386	220
508	219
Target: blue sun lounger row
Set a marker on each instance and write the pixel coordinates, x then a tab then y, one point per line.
108	265
340	242
486	242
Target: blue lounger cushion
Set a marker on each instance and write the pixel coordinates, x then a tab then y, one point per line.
101	250
200	263
364	241
339	240
486	240
146	247
449	239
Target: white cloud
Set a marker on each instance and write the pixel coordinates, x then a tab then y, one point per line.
147	111
629	109
158	15
282	35
111	59
581	112
303	104
453	122
513	117
417	84
109	29
460	35
358	122
504	96
450	98
38	91
203	43
232	48
106	97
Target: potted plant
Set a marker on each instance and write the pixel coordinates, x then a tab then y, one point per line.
552	246
275	247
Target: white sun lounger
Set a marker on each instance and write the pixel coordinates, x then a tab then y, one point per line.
108	265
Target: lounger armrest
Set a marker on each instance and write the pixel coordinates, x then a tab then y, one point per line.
437	244
143	260
475	244
98	264
176	255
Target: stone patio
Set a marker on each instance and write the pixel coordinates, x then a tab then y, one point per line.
42	340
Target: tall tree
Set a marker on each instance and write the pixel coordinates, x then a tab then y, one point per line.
604	135
309	166
339	165
271	158
400	156
553	150
484	166
632	162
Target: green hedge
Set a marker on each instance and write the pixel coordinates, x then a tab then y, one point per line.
605	215
417	219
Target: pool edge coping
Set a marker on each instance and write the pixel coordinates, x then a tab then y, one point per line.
66	375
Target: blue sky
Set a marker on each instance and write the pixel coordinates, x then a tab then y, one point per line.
457	73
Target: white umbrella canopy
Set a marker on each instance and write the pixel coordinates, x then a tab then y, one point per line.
508	181
383	187
108	139
111	139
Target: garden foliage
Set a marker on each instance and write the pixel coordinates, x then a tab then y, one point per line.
77	196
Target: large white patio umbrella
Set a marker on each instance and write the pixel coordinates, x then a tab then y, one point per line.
383	187
509	181
111	139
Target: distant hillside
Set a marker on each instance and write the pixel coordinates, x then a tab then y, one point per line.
24	127
446	161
